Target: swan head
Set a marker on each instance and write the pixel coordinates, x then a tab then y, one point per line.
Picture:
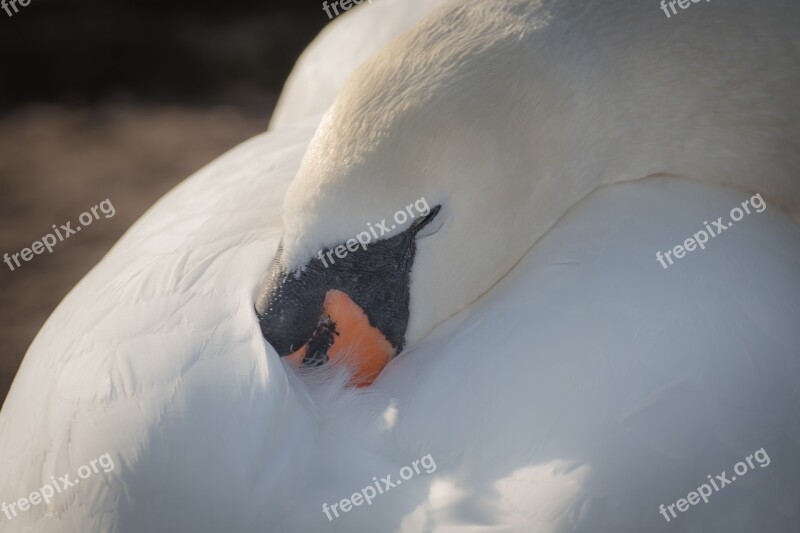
421	121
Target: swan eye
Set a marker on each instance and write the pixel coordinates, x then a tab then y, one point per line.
430	224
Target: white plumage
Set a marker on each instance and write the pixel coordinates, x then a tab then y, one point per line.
343	46
588	387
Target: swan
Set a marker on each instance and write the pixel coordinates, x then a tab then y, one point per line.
585	389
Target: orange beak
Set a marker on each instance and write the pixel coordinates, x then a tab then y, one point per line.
356	344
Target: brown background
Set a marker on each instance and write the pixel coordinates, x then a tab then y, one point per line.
120	100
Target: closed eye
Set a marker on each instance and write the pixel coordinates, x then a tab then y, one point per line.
429	224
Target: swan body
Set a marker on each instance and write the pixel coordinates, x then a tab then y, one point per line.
585	389
589	387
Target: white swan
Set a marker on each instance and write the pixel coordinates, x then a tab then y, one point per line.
550	404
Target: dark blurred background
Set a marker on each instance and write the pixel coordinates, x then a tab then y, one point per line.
121	100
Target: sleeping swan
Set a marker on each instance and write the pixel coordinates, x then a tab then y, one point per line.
586	390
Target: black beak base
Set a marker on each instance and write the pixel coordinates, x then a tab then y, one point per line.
376	277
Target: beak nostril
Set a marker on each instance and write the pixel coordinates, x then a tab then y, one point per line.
343	336
321	341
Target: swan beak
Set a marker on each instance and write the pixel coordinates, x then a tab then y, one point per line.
345	337
350	313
